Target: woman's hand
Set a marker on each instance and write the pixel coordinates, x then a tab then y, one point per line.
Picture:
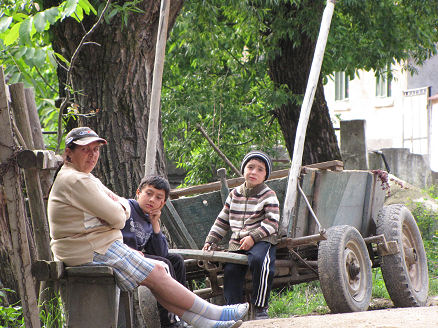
246	243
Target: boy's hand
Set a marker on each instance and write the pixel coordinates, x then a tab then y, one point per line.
206	247
246	243
154	217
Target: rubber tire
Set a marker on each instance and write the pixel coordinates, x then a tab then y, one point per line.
407	285
344	245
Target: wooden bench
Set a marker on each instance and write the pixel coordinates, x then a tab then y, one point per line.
90	295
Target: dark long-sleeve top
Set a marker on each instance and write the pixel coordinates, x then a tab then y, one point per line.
139	234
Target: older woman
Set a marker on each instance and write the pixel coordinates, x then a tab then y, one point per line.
85	219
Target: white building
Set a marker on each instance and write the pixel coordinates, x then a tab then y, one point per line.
400	112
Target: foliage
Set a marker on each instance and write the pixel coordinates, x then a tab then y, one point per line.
10	315
217	66
379	288
427	221
300	299
212	80
51	314
27	55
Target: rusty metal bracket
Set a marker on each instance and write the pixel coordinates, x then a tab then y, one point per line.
320	229
383	247
213	269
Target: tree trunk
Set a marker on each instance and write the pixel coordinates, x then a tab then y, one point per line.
291	67
113	81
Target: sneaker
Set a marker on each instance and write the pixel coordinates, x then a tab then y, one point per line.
260	312
234	312
228	324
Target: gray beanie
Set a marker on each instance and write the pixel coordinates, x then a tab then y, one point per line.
261	156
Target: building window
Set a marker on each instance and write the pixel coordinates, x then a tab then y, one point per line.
341	86
383	83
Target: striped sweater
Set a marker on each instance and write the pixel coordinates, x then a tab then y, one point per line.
253	212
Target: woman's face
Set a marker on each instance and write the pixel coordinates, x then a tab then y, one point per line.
84	158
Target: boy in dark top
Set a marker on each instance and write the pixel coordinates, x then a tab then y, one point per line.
142	232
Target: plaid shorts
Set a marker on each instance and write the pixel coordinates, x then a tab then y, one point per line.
130	268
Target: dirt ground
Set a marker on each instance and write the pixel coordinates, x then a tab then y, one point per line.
422	317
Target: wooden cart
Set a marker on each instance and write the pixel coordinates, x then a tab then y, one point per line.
338	232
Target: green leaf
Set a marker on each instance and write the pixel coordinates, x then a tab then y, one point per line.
86	6
25	30
19	17
62	58
29	56
4	23
40	57
79	14
52	15
12	35
70	8
112	13
40	21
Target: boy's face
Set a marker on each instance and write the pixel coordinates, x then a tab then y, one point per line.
254	172
151	199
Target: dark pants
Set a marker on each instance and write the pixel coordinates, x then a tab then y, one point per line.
261	264
177	269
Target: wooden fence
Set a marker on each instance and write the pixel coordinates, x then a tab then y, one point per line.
25	172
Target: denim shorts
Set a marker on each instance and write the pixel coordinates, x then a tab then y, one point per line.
129	266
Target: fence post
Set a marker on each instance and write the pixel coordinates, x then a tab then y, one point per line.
46	176
31	176
12	197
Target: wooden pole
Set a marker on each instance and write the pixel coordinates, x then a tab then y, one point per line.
217	150
46	176
291	191
31	176
154	112
14	201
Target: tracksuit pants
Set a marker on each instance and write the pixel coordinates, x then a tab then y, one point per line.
261	264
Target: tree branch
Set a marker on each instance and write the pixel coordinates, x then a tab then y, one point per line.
69	72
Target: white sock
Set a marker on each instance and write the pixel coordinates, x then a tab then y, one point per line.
205	309
199	321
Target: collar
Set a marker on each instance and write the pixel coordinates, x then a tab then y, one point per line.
251	192
138	210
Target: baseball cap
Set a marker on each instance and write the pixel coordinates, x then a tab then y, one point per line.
82	136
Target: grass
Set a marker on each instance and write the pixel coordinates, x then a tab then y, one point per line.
51	314
297	300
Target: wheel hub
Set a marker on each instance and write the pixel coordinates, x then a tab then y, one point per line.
352	268
411	257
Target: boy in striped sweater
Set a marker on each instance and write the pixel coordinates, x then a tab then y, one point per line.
251	212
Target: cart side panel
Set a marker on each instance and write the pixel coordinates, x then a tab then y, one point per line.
377	202
341	197
198	214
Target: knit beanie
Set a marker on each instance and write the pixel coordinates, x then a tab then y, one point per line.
258	155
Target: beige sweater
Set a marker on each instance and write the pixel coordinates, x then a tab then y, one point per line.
83	218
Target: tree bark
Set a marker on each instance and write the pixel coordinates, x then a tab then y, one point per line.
113	81
291	67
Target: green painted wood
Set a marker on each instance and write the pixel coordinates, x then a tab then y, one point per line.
177	227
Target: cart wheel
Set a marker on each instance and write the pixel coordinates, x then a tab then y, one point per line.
405	273
344	269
